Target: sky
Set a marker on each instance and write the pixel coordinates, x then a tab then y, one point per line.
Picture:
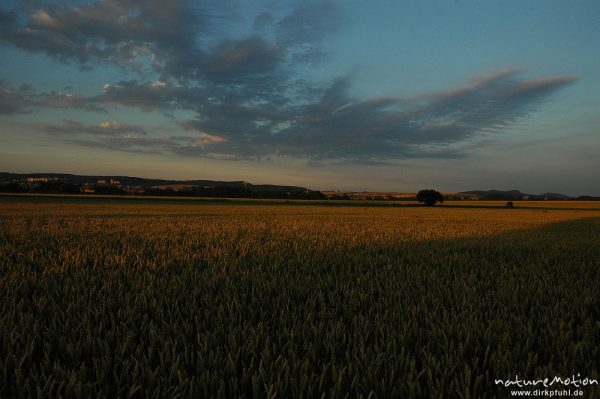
335	95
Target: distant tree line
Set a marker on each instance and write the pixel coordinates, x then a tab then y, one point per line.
235	192
57	187
587	198
53	187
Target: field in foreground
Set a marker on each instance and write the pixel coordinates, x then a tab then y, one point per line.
154	300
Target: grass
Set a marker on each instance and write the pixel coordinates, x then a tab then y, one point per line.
128	299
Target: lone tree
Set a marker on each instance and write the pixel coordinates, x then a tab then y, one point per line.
430	197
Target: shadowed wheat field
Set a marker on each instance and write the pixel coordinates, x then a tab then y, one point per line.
151	299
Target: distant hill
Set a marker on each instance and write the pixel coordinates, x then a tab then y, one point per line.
147	183
242	188
554	196
69	183
514	195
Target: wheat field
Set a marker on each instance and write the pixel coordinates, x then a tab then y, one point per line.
116	298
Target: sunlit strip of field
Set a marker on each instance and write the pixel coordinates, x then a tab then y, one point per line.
568	204
367	224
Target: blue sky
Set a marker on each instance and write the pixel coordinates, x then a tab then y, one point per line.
352	95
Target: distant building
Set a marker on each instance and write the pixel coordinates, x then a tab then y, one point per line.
112	182
37	179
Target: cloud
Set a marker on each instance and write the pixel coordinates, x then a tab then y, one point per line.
148	96
25	100
305	28
106	128
119	136
239	60
178	39
197	67
123	137
15	101
263	20
131	33
58	99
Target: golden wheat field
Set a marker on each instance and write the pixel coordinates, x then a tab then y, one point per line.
183	299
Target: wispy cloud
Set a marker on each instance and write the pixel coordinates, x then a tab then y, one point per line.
236	61
58	99
118	136
304	28
106	128
15	101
